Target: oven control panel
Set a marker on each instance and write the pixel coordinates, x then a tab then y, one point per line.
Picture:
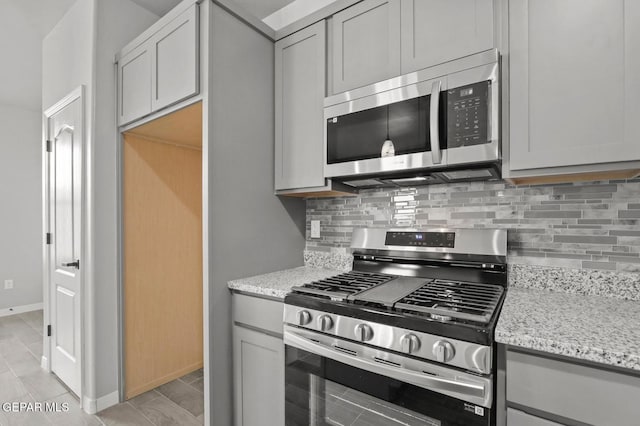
467	355
421	239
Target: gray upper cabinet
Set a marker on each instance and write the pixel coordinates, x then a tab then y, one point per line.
175	59
366	44
162	68
437	31
134	85
574	67
300	90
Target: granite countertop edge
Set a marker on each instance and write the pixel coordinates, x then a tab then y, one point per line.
514	329
278	284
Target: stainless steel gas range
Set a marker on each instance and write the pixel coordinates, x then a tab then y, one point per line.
405	338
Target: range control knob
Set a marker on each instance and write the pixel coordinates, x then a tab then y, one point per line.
304	317
363	332
325	323
443	351
409	343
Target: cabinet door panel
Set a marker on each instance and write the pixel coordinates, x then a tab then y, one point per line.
175	60
569	84
573	391
134	85
366	44
437	31
258	378
518	418
300	90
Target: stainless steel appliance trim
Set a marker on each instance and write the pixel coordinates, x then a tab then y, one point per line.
472	61
434	130
468	356
464	386
492	242
408	87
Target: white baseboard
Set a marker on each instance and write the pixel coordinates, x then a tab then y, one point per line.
20	309
93	406
44	363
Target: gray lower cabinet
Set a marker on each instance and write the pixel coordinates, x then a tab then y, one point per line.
366	44
160	67
258	361
567	391
258	378
574	85
519	418
436	31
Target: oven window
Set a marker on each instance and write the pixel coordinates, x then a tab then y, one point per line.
320	391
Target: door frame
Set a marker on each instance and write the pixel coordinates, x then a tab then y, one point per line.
78	93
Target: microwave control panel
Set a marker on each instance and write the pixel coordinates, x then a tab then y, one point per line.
468	115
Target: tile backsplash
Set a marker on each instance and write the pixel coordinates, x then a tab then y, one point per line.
594	225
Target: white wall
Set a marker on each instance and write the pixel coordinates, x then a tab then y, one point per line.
80	50
20	160
20	206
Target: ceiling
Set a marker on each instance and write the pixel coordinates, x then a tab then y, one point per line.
262	8
159	7
41	15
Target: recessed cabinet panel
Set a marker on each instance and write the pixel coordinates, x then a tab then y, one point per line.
134	85
437	31
573	82
366	44
175	57
300	90
518	418
258	378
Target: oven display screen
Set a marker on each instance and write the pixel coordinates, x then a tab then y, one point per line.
421	239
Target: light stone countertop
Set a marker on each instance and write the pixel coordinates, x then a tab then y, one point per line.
593	328
278	284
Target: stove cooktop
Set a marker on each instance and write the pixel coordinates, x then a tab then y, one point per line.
439	299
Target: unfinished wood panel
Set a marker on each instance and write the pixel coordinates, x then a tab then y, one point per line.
162	262
183	127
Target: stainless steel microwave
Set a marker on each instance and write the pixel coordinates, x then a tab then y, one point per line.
436	125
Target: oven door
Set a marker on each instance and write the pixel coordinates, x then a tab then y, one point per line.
336	382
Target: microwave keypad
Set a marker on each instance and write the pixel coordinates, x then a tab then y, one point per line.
467	113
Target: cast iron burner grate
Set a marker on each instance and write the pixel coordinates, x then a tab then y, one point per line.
444	299
343	285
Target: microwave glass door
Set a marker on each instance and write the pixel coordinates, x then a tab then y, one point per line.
321	392
361	135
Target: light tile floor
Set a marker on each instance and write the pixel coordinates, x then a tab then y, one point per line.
180	402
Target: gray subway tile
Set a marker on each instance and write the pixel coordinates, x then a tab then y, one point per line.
587	264
629	214
552	214
585	239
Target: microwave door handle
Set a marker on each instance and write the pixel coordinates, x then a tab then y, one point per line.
434	130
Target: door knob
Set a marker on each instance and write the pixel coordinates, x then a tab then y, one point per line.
74	264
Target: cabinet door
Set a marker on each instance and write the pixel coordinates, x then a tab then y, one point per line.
258	378
437	31
175	60
300	89
134	85
518	418
366	44
574	68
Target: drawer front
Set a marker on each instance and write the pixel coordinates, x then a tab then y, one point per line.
518	418
574	391
257	312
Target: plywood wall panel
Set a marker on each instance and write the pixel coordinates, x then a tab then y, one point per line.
162	262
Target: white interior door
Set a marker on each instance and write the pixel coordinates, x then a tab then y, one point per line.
65	192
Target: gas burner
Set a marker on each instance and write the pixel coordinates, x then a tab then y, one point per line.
341	286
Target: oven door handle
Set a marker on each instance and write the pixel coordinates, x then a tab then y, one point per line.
417	378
